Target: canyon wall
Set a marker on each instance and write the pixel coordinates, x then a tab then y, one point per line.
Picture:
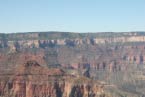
40	43
115	59
33	80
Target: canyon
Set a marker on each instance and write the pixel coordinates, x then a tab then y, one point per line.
33	80
67	64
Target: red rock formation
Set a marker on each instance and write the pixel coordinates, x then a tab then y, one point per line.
34	80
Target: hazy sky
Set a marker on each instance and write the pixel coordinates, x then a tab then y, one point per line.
72	15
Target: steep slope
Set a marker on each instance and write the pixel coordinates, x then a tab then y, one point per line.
34	80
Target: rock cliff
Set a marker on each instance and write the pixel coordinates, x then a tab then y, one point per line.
43	40
34	80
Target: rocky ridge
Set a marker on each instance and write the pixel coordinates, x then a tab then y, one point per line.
33	80
36	40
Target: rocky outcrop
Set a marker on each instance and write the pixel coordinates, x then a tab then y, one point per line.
34	80
54	89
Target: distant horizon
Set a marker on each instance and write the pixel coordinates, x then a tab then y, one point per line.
69	32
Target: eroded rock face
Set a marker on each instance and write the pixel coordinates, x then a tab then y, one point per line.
54	89
114	58
34	80
102	53
43	40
